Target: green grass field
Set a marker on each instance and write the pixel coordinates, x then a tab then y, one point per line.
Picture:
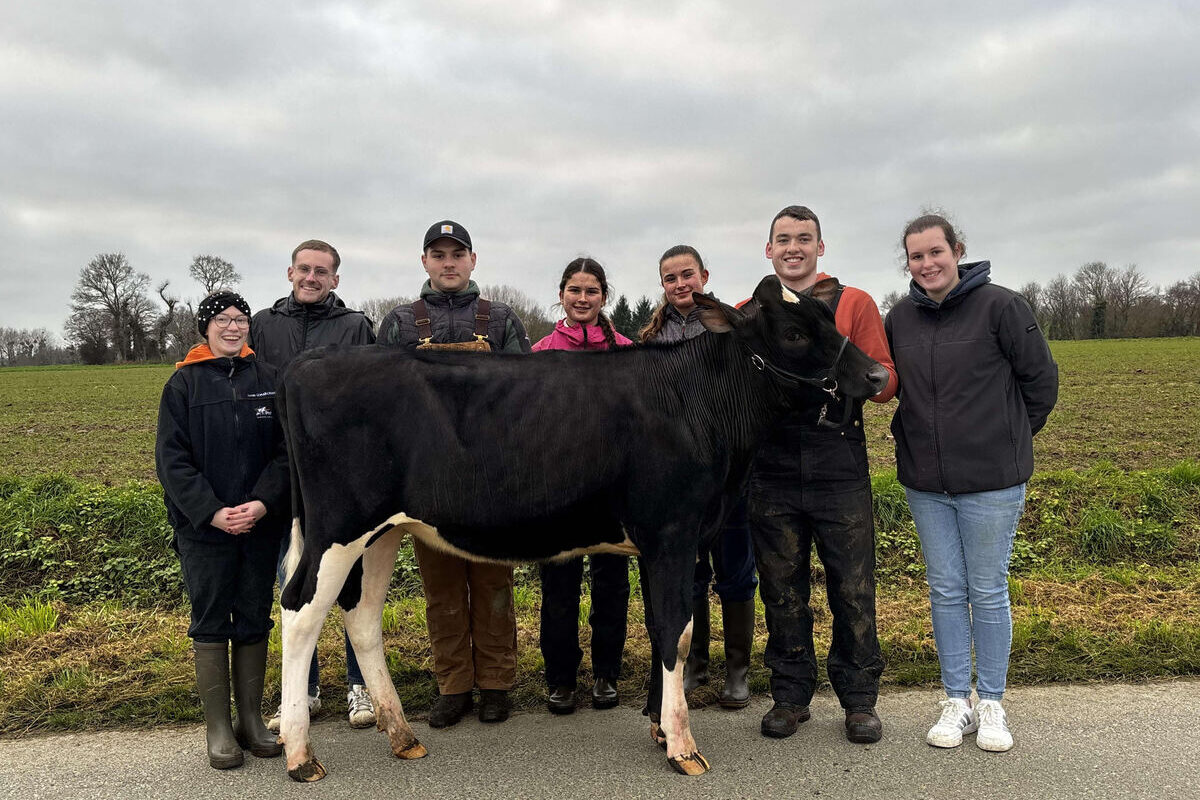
1105	585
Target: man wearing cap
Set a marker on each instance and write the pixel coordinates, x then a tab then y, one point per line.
312	315
468	604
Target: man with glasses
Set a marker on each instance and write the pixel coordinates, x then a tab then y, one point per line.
312	316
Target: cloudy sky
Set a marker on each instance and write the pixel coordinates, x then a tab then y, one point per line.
1056	133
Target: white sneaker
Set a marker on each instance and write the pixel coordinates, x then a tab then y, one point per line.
314	705
994	735
362	710
957	718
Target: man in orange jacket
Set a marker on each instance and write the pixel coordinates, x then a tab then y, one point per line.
810	484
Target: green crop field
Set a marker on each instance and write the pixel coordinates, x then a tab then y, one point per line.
1105	575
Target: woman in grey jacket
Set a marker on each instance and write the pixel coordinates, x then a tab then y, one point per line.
977	381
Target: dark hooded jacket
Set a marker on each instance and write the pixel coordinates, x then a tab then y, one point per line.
452	319
220	444
977	381
280	333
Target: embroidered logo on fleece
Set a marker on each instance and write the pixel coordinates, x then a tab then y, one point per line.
263	412
255	395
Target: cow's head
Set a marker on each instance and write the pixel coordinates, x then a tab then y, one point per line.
793	338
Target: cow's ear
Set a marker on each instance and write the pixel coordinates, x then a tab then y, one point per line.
715	316
824	290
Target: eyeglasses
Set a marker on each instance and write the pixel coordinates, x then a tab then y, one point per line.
223	321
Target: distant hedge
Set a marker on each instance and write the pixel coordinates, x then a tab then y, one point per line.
61	538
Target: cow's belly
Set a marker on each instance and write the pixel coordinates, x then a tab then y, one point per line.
543	539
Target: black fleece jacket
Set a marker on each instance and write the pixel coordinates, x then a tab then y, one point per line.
220	444
280	333
977	381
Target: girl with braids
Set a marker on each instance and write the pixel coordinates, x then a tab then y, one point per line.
583	291
731	558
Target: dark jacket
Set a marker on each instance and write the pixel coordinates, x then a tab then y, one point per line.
220	444
678	328
280	333
976	382
452	319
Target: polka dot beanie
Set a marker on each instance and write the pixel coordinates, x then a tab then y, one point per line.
214	304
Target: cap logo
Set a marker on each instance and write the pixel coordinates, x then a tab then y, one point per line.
447	229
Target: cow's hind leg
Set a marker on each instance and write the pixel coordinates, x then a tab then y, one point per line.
303	617
668	612
363	624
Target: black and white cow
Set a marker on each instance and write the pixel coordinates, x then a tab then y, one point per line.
527	458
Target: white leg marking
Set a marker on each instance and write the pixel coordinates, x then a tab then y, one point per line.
363	624
674	703
301	628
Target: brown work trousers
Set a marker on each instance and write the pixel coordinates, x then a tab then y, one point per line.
471	619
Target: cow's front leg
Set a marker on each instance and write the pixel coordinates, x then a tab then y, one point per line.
363	624
669	619
302	620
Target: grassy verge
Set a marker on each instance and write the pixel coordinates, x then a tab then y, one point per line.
109	665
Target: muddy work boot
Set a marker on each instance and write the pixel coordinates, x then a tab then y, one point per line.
783	719
212	684
695	669
738	621
249	667
494	705
448	709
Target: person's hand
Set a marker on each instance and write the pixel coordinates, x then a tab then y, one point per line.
243	517
221	520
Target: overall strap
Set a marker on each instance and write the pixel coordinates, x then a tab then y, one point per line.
483	312
421	318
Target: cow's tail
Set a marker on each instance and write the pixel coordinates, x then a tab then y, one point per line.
296	544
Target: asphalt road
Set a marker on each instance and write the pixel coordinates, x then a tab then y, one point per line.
1103	741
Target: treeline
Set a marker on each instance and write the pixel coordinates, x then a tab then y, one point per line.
1101	302
118	315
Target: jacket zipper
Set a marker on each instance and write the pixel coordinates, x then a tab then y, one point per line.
237	424
937	432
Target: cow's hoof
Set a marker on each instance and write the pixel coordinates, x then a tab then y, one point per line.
308	772
689	764
417	750
657	734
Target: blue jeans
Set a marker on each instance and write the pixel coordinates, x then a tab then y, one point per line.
967	540
353	673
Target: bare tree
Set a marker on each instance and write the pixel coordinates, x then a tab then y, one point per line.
1062	304
89	330
379	307
214	273
110	286
1126	290
537	322
889	301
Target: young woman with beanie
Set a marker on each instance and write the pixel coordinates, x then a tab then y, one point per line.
221	461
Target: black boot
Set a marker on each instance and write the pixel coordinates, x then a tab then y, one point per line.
738	619
212	683
695	670
249	667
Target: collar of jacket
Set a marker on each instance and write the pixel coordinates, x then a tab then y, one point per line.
452	299
970	277
201	354
331	306
692	316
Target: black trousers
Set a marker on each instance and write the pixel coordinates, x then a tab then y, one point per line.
561	584
786	518
730	561
230	584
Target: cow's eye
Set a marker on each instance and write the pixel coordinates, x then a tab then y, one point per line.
796	336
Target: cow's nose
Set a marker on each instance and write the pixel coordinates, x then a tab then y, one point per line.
877	376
